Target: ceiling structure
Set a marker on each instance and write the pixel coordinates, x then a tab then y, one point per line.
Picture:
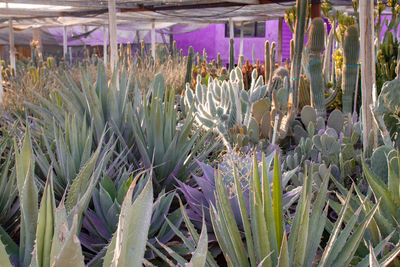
82	16
56	13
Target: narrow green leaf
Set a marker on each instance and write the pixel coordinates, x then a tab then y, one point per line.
133	227
283	260
277	200
200	254
373	262
4	258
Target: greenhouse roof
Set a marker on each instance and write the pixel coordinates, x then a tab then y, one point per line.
55	13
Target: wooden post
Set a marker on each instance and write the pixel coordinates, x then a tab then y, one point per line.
315	9
280	30
65	42
231	33
367	66
112	30
153	40
105	41
12	45
70	55
241	39
1	86
36	36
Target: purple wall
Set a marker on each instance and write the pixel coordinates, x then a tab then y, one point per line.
212	38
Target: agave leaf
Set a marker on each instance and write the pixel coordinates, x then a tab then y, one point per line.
377	250
268	207
283	260
245	218
81	182
4	258
373	262
28	194
193	233
45	225
302	233
60	231
336	230
389	206
259	226
71	252
390	256
133	227
200	254
353	242
228	220
277	201
317	222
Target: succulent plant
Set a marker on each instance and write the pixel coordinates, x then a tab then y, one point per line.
351	51
300	26
334	144
231	55
189	65
101	221
315	46
198	200
387	113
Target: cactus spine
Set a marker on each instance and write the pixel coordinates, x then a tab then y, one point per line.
189	65
301	15
351	51
231	55
315	45
267	69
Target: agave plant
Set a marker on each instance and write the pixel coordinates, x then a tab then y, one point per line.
163	140
101	221
201	200
385	223
48	235
266	241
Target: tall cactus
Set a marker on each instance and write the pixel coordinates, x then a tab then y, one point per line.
315	46
301	15
267	69
189	64
351	52
231	55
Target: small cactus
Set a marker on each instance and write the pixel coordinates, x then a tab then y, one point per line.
189	65
231	55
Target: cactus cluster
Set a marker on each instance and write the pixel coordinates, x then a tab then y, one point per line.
333	144
240	116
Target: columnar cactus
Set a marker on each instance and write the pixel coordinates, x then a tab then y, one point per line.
189	65
272	60
315	46
231	55
267	62
351	51
219	60
301	15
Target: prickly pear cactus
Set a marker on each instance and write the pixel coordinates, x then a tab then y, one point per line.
387	111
